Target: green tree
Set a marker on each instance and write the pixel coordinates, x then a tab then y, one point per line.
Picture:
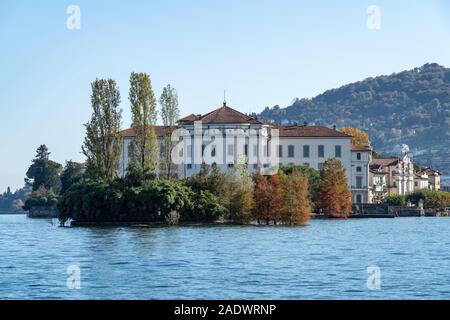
170	114
431	198
72	173
159	201
242	202
41	198
313	176
267	193
144	148
44	172
103	142
396	200
334	193
295	203
359	137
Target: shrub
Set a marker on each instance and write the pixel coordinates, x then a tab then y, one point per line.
41	198
431	198
396	200
152	201
204	207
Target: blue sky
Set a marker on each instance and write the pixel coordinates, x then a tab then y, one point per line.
262	52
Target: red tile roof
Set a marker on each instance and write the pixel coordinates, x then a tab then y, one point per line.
310	131
383	162
189	118
361	148
129	133
430	171
223	114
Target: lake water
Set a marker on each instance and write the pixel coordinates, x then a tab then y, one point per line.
327	259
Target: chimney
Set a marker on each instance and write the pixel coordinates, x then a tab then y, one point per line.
305	123
295	124
334	127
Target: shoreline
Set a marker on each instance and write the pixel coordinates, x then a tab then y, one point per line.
141	224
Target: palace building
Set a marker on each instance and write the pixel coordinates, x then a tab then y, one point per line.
225	136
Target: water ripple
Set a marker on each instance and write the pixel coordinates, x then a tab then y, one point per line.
327	259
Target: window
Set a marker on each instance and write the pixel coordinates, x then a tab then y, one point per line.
246	150
359	182
189	166
290	151
255	166
358	198
358	169
231	165
231	150
358	156
255	150
280	151
321	151
213	151
305	151
338	151
320	165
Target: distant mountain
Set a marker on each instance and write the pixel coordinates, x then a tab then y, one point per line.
411	107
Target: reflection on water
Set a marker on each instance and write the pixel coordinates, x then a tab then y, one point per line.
327	259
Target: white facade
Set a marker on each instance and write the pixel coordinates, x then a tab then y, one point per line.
402	176
399	176
360	159
217	140
378	186
223	145
305	151
420	181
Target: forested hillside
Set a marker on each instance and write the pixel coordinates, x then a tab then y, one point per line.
411	107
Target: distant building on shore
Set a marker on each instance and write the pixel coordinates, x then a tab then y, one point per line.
434	178
397	176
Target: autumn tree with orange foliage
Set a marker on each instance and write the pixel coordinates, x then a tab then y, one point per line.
295	203
267	192
359	137
334	194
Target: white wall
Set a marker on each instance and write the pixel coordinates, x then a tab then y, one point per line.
313	160
363	165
